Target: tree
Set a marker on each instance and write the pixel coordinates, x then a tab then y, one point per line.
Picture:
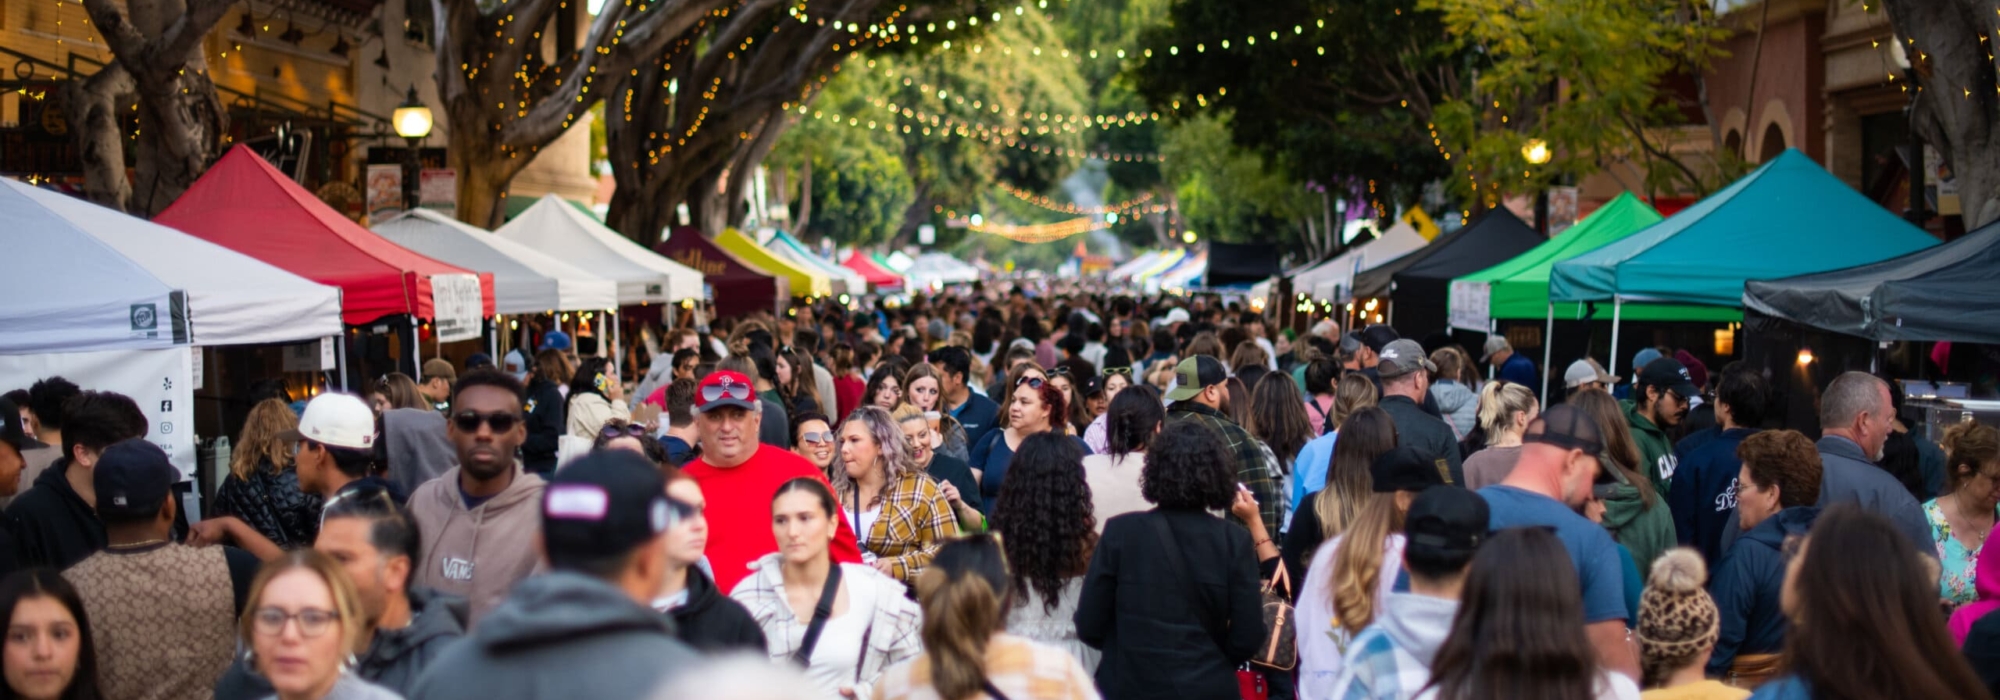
156	46
1957	108
1233	195
851	184
507	90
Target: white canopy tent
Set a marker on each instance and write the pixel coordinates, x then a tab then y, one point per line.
940	268
1133	266
86	278
556	229
1333	280
525	281
899	262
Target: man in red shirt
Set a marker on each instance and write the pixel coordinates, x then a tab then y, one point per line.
738	476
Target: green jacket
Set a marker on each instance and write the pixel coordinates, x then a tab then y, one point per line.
1656	450
1646	532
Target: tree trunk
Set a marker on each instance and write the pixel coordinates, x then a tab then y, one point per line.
1959	105
92	106
805	195
914	217
157	50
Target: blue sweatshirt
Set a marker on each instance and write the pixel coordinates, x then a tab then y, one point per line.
1702	495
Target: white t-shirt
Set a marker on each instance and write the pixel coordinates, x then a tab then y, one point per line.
862	528
839	647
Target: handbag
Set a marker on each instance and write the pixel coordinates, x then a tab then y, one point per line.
1280	651
1250	682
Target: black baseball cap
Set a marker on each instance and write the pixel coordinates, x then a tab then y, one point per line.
1447	518
133	477
11	430
1195	374
1670	374
1567	427
1379	336
1405	469
1093	385
603	505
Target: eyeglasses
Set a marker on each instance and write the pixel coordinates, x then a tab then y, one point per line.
313	622
615	430
468	421
725	389
1032	382
817	437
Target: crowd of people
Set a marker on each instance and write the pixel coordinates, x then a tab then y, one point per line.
1008	496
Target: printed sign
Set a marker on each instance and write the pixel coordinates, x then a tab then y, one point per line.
438	191
385	191
455	302
309	356
158	380
1471	306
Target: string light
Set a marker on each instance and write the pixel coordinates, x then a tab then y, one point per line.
1043	233
1121	208
968	132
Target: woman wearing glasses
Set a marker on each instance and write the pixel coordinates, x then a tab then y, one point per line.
926	393
1035	406
813	438
1096	436
302	623
898	513
595	396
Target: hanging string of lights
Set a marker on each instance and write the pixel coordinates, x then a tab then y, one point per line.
1121	208
974	132
1043	233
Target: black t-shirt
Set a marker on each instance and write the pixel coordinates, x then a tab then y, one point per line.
952	469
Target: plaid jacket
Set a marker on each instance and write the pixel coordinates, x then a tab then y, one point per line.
916	519
894	627
1256	467
1378	669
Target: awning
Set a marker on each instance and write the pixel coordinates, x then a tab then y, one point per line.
245	205
1494	237
1333	280
883	280
843	279
1133	266
1165	262
84	278
559	230
1942	293
939	268
525	281
804	281
737	287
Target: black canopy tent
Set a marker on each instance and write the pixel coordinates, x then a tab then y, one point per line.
1419	284
1232	264
1945	292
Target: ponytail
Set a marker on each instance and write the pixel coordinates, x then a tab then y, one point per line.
1357	563
1498	402
964	594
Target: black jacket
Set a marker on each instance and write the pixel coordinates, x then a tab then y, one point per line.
712	622
1982	649
271	503
952	469
1167	632
546	423
53	525
1425	432
394	658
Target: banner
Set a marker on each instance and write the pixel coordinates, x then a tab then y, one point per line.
438	191
160	381
1471	306
456	302
310	356
385	192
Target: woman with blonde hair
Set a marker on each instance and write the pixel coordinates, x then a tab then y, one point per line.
1505	409
925	389
302	622
967	651
1351	393
953	476
261	488
1329	511
898	513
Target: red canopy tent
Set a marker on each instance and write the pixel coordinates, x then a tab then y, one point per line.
736	286
244	204
877	277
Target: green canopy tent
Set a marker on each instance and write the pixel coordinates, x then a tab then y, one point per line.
1789	217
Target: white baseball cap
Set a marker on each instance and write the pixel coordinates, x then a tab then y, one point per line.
339	420
1587	370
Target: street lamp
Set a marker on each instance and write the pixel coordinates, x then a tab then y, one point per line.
1536	151
413	122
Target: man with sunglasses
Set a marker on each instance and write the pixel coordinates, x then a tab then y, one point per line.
478	519
739	475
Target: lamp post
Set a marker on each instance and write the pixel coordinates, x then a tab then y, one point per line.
1536	152
413	122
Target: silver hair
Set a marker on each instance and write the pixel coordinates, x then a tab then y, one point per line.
897	459
1850	395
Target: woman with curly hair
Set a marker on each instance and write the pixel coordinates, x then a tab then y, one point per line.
1169	629
1045	522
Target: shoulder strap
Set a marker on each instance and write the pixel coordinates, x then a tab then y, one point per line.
821	612
1325	417
1174	559
991	691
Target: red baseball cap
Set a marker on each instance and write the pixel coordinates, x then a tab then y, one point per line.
724	388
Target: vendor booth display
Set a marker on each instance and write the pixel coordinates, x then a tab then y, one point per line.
877	276
525	281
737	287
843	279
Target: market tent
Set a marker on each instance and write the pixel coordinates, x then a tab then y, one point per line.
897	262
1787	218
804	281
1133	266
1166	262
883	280
244	204
1333	280
1519	288
556	228
843	279
1494	237
1942	293
939	268
1184	275
736	286
525	281
1240	264
91	278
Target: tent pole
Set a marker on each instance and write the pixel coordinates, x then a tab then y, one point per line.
493	340
1493	328
340	358
617	338
416	349
1548	352
1617	305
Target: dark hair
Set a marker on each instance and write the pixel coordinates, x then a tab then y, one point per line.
1785	459
351	462
585	379
393	532
48	398
680	402
800	421
984	333
812	486
1743	387
1321	374
683	355
1135	415
46	583
493	378
1885	597
1044	511
651	448
99	419
1277	415
1187	468
1163	339
1519	629
965	596
885	372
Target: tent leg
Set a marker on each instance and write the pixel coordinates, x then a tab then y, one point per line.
1548	352
493	341
1617	305
1492	328
617	338
340	358
416	349
1392	312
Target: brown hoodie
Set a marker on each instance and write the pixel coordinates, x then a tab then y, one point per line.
454	560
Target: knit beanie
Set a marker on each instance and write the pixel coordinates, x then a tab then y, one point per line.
1677	618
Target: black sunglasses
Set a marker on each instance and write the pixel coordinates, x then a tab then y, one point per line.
1032	382
613	430
468	421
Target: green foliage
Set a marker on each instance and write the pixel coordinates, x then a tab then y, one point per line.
1226	193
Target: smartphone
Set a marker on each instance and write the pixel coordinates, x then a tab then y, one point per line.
1241	487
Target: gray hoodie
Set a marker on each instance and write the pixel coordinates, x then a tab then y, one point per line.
482	552
1418	624
559	635
1459	403
394	657
415	448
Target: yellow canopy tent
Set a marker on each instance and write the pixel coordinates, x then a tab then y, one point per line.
804	282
